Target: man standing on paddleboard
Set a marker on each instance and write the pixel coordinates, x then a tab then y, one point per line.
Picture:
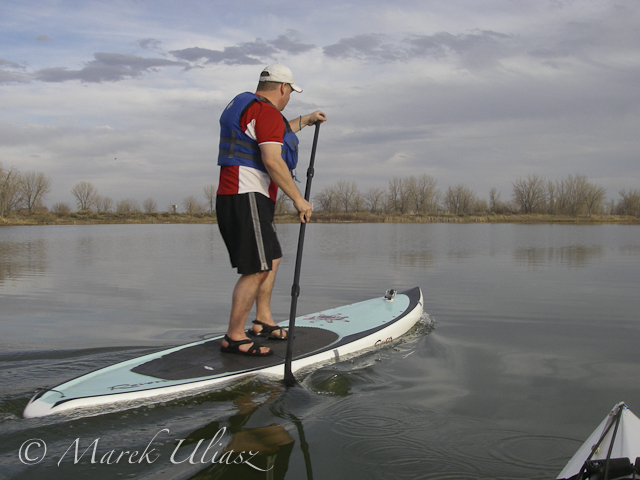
258	152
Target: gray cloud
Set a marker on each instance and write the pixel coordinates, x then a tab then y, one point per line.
477	48
240	55
107	67
44	38
248	53
370	47
149	44
9	76
7	63
291	44
442	43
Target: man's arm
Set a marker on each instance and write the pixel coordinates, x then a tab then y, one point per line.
299	123
279	173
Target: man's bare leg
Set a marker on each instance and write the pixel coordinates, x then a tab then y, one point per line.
245	294
263	300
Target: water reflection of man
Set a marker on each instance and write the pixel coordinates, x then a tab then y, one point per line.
272	443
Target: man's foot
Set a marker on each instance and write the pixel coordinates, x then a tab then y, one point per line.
265	330
252	349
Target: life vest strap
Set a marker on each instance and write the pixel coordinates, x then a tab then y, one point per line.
231	152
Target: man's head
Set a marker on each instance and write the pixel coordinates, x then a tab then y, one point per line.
277	73
276	84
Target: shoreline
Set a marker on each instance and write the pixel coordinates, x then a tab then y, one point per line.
93	218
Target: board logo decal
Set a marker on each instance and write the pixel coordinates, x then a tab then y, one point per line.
338	317
126	386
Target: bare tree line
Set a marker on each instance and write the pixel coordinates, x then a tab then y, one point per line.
88	199
413	194
416	194
574	195
27	191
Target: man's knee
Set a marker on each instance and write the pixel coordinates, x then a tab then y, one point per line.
258	277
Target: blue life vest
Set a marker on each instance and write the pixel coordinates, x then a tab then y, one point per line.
237	148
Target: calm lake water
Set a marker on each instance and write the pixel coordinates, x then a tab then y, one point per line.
531	335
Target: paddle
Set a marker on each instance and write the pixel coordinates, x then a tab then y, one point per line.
289	379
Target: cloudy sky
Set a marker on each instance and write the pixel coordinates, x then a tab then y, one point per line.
126	94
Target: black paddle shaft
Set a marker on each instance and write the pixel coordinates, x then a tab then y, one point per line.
289	379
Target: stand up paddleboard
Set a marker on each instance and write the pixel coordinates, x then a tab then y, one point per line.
319	338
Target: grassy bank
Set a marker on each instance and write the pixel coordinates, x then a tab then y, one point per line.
480	218
94	218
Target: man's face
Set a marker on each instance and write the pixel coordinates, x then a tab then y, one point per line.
286	96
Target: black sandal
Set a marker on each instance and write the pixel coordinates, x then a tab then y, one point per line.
234	347
267	331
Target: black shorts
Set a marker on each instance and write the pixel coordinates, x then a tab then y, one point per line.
246	224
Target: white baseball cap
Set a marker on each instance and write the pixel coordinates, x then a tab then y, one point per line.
280	74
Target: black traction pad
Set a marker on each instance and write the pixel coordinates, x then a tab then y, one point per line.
205	359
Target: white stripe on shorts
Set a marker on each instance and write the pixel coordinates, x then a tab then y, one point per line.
258	231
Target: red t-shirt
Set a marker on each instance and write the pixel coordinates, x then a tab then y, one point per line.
263	123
